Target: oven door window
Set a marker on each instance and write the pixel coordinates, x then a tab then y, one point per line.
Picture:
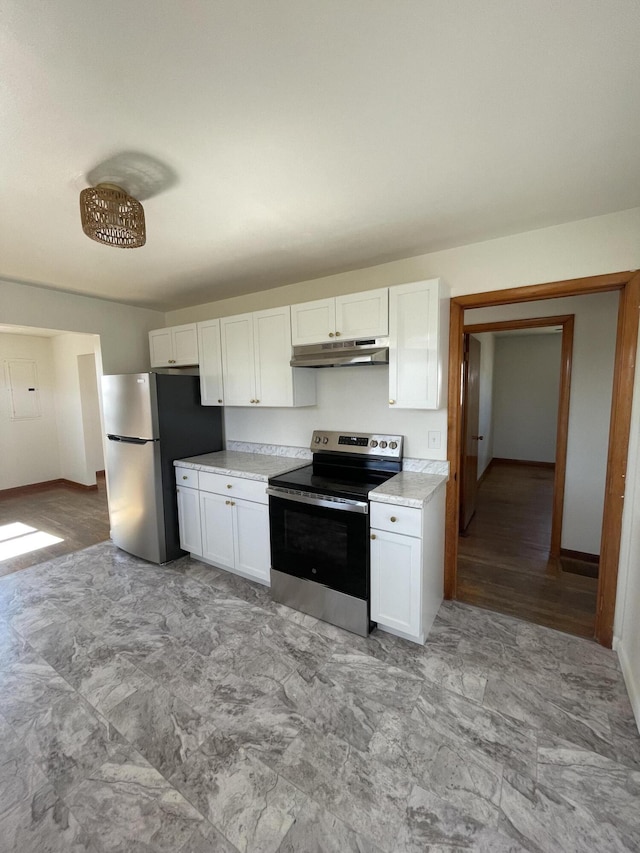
328	546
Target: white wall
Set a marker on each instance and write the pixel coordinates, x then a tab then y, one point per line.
76	449
349	398
526	384
90	405
123	330
589	409
600	245
28	448
485	414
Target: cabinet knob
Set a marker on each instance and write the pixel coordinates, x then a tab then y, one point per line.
219	400
228	485
391	402
337	334
184	477
256	401
252	401
393	519
373	535
331	334
228	503
233	503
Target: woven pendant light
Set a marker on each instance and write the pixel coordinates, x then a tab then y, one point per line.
111	216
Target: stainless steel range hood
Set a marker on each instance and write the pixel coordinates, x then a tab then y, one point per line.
342	353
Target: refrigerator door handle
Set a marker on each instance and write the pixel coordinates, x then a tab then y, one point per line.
127	440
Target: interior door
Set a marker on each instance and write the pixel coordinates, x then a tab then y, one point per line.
471	415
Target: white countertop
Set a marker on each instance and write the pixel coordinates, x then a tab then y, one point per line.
249	466
409	489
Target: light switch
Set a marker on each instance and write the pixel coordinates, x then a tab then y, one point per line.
434	439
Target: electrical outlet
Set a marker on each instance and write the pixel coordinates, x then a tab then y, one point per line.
434	439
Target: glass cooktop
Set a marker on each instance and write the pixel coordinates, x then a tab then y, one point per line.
351	484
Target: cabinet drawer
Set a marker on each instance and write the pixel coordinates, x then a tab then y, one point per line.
396	519
234	487
187	477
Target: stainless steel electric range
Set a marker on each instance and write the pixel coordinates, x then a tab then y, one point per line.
319	521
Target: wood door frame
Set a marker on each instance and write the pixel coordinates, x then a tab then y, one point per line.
566	356
628	283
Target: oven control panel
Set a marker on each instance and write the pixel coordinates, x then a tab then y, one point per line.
371	444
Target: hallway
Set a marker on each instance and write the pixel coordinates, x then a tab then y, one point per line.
503	559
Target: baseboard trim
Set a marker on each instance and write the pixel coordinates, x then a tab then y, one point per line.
580	555
632	685
73	485
502	461
46	484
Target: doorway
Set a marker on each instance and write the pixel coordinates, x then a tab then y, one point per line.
515	413
628	285
52	488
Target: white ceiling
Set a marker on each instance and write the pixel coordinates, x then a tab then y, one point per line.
307	138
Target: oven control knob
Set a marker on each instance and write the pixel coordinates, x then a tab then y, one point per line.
383	444
393	444
325	440
316	440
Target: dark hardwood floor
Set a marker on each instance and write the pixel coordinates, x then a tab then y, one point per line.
78	517
503	559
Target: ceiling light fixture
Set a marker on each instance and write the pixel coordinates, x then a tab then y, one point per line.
112	217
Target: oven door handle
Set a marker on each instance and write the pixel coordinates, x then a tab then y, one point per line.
340	504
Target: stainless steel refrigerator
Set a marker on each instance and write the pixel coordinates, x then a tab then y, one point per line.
150	420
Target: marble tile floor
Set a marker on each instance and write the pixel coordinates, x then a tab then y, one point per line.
178	709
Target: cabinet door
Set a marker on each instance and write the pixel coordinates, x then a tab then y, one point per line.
363	315
185	344
414	328
238	363
210	350
272	343
251	528
216	522
313	322
189	520
160	349
395	581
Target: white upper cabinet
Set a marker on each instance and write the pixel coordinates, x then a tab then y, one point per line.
176	346
363	315
356	315
256	355
312	322
238	363
210	349
418	334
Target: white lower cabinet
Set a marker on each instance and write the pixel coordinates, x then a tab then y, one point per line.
189	520
252	540
396	565
217	529
407	566
219	524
